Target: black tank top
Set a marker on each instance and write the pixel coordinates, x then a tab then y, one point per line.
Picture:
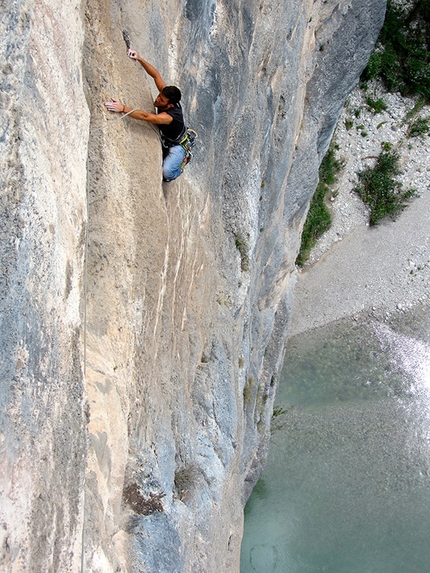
173	131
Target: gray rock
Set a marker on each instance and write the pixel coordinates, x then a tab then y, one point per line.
172	336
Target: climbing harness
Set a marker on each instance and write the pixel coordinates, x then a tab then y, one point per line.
187	143
186	140
189	139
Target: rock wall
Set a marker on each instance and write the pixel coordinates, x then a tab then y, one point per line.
43	150
143	324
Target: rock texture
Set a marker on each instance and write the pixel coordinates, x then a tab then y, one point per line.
42	212
143	325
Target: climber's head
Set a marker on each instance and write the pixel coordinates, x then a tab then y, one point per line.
168	97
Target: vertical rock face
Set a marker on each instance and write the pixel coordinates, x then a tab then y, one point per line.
146	377
43	149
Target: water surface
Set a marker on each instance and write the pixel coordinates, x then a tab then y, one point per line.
347	484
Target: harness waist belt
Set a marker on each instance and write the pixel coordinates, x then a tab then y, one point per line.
169	142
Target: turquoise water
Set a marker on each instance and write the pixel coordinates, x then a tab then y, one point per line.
347	485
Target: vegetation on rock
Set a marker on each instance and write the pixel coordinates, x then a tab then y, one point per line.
401	58
319	218
381	191
401	61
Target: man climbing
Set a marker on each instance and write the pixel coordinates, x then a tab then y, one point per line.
168	118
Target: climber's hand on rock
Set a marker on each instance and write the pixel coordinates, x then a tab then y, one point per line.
133	54
114	105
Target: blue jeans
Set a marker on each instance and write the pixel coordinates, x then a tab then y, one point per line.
172	162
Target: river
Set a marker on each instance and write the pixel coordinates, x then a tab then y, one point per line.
346	488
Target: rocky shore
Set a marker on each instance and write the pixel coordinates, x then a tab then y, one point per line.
355	267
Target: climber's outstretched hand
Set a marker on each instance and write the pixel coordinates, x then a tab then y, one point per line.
132	54
114	105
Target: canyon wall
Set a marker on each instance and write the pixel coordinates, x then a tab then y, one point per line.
143	323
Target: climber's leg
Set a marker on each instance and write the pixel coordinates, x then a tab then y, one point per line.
172	162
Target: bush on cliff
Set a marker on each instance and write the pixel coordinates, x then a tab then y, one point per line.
319	218
381	191
401	58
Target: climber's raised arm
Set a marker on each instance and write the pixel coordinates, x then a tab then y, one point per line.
149	69
161	118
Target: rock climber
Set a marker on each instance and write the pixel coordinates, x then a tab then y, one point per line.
169	119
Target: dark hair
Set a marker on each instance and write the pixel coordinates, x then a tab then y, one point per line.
172	93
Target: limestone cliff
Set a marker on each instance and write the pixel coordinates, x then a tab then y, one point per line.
143	324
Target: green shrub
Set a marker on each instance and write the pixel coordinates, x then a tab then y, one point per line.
185	480
279	411
319	218
348	123
279	418
401	58
419	127
242	247
377	106
248	391
380	190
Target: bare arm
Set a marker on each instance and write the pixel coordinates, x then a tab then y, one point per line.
162	118
149	69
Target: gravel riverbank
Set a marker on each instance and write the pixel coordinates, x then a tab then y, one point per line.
355	268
